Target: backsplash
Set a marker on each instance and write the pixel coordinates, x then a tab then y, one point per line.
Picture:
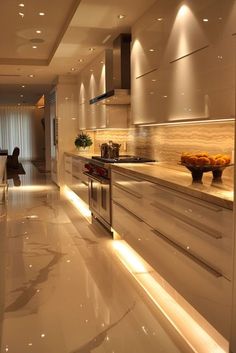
166	143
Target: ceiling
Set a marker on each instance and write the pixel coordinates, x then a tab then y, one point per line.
68	29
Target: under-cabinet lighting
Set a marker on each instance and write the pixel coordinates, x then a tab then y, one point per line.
193	122
81	206
196	337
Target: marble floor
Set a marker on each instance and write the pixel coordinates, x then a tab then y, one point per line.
63	290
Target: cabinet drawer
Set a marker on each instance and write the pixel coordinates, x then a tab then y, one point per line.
129	199
68	164
206	216
212	248
202	287
129	184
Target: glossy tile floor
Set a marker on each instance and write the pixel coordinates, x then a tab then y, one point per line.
63	290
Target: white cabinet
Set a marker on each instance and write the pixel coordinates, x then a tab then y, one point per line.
79	180
187	240
183	68
74	176
94	81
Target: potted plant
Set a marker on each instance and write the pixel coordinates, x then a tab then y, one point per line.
83	141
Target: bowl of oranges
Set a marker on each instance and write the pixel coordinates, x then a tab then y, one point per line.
202	162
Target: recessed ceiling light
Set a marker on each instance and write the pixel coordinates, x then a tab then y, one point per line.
18	103
31	75
91	70
38	31
21	14
151	49
91	49
41	13
23	86
21	96
159	19
34	47
121	17
72	69
21	5
205	20
153	80
101	62
81	60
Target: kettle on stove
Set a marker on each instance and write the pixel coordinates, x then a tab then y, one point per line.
110	150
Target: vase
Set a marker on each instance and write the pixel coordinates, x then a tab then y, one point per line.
82	149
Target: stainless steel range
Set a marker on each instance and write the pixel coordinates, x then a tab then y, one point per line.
99	175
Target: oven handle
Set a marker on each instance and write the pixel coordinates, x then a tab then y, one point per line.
101	180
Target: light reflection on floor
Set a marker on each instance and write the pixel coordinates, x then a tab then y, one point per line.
65	290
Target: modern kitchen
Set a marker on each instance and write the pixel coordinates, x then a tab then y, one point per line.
139	145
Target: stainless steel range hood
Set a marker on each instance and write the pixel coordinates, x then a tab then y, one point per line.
117	73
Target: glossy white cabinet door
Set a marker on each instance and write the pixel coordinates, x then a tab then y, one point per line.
189	72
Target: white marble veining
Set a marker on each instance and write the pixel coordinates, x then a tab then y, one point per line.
63	290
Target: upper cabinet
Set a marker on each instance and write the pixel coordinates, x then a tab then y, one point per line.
93	82
183	62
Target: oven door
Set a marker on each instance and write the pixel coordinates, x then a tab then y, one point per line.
99	197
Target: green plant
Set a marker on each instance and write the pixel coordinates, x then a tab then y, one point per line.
83	140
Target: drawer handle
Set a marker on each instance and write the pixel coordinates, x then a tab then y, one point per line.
84	182
131	213
193	200
138	196
212	233
189	255
129	177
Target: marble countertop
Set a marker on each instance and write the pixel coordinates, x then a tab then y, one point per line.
179	179
175	177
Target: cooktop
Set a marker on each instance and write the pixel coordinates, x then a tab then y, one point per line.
124	159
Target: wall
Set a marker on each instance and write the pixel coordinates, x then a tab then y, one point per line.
39	133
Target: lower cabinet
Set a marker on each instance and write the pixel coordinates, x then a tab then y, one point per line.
75	178
196	264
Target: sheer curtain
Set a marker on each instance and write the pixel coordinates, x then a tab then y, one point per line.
17	129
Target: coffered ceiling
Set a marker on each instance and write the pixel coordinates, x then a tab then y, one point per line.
49	38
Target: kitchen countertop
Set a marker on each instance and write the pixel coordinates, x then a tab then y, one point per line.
179	179
176	178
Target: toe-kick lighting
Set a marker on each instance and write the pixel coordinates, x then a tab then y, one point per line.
200	340
77	202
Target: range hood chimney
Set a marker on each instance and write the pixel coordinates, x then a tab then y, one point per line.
117	73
